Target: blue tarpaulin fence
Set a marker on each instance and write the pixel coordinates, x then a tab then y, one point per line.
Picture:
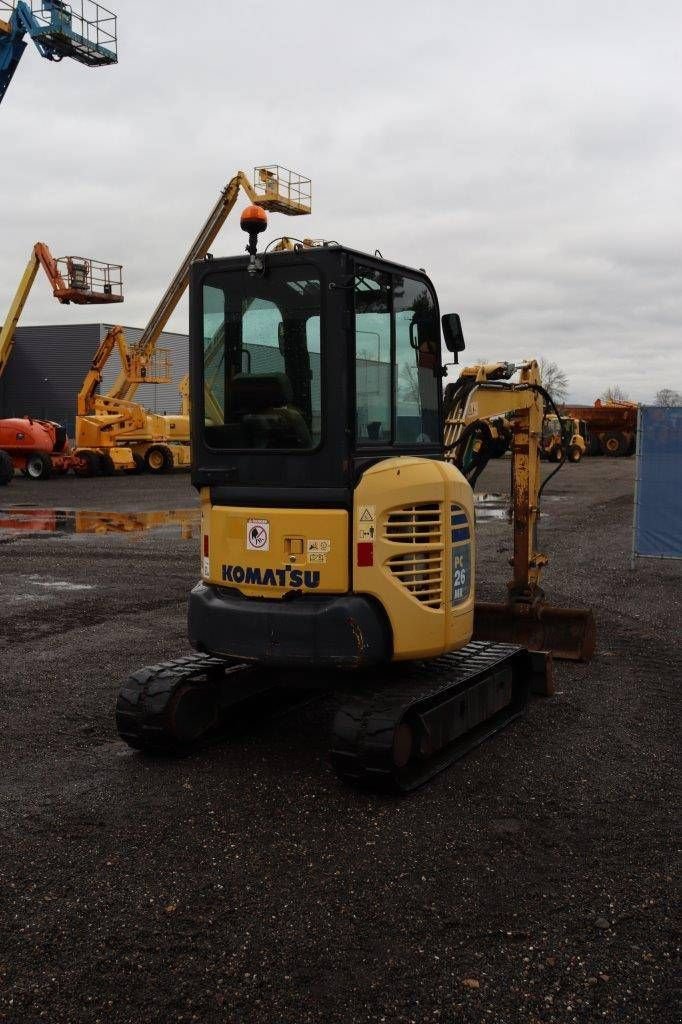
658	488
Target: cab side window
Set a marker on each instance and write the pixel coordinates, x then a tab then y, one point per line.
397	360
417	361
372	356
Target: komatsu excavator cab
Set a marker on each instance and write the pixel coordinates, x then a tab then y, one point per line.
334	534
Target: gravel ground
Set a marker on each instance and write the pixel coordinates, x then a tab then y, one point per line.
532	882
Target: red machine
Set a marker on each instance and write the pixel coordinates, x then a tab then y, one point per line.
38	447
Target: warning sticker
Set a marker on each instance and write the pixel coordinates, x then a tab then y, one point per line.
367	513
366	532
319	549
258	535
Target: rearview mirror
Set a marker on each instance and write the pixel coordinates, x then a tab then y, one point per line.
452	333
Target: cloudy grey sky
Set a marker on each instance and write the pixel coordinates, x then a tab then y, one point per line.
528	154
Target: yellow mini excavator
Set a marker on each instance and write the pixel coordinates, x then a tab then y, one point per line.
337	539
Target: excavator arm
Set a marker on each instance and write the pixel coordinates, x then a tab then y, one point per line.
483	402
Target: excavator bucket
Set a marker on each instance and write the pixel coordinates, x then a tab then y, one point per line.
569	634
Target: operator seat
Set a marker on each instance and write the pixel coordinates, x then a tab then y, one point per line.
263	402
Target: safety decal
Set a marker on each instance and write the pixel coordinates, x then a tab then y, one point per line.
318	550
258	535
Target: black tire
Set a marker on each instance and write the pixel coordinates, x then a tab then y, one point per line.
575	453
158	459
140	466
39	466
615	444
557	454
87	464
60	438
6	469
106	465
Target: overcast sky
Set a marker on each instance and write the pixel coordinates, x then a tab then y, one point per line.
527	154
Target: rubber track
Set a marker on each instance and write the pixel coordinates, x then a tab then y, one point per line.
142	708
364	729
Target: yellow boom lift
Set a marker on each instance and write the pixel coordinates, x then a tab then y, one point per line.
337	546
112	430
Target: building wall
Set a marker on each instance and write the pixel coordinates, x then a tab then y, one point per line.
48	364
46	370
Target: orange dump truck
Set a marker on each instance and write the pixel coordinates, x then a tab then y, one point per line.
612	426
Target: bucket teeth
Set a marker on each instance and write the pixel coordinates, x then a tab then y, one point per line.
569	634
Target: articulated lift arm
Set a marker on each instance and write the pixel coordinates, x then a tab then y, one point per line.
72	279
278	189
123	387
483	402
58	29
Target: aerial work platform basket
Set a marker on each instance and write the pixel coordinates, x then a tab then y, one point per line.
87	282
82	30
281	190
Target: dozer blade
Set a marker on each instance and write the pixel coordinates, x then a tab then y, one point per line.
569	634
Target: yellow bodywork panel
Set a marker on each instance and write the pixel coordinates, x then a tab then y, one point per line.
414	551
268	552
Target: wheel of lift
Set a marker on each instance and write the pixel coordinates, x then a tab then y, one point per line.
6	468
87	464
615	444
574	453
140	466
558	454
158	459
106	465
60	438
39	466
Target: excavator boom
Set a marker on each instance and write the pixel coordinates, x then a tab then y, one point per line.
484	402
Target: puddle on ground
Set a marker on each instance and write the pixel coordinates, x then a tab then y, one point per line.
63	585
490	506
24	519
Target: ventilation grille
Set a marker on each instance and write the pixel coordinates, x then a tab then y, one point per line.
419	571
414	524
421	574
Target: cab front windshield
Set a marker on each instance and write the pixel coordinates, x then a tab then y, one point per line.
262	369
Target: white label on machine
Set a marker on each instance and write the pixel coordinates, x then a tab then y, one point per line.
367	514
205	567
258	535
366	532
319	549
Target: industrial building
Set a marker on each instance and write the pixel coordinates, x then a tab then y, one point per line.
47	366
